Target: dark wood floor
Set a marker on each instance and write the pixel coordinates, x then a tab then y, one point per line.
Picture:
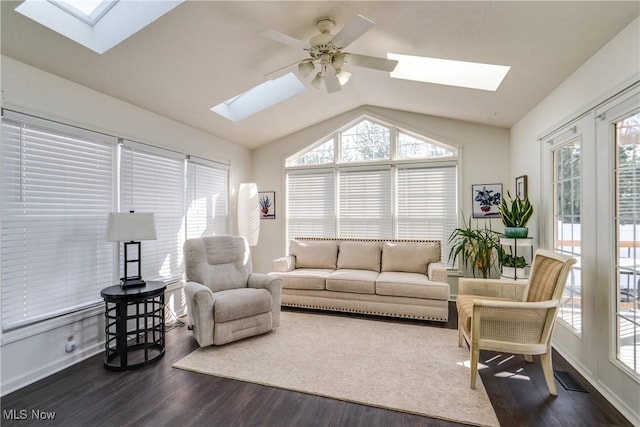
158	395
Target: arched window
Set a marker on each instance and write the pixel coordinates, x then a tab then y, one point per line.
373	180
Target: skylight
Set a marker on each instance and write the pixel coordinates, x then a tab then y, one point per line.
88	11
472	75
260	97
96	24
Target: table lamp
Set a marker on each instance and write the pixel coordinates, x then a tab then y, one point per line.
131	228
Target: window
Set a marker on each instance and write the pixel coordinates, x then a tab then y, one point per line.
365	141
59	183
310	204
373	180
207	185
627	176
425	203
321	154
567	222
365	203
410	147
152	180
57	189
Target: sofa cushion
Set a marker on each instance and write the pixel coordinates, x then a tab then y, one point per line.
359	255
412	285
238	303
355	281
317	254
304	278
410	257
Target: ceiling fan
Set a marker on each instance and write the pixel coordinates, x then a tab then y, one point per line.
326	52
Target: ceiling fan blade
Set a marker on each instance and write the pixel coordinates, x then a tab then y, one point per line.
282	68
354	29
381	64
284	39
331	82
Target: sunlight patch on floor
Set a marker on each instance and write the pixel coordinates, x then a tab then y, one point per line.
513	375
467	364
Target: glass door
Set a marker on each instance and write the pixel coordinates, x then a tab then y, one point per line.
626	132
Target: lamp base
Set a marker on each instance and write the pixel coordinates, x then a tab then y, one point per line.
132	283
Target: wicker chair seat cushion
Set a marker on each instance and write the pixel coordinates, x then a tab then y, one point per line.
504	324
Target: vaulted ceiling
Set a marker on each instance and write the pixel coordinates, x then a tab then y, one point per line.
205	52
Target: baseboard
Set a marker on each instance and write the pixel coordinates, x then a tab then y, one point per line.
51	368
625	410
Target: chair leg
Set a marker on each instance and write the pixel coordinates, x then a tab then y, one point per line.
475	357
528	358
547	369
460	336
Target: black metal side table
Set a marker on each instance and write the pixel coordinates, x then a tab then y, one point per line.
134	325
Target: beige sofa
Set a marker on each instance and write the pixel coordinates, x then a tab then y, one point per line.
399	278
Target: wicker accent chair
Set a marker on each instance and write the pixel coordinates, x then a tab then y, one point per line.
514	316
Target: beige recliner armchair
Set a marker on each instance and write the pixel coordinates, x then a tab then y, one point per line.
225	299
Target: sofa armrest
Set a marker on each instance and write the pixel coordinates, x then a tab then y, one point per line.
274	285
200	300
507	289
284	264
437	272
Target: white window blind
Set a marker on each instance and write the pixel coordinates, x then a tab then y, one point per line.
365	208
57	189
153	180
427	204
207	206
310	203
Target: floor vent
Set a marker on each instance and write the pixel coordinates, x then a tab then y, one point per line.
568	381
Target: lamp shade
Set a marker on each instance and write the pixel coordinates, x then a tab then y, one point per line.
249	213
130	227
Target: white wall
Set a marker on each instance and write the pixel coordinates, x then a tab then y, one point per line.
484	153
615	66
25	359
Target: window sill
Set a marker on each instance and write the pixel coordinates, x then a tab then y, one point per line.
27	331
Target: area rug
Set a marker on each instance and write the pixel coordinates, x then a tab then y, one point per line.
411	368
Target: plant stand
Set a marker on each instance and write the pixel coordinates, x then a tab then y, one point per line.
517	247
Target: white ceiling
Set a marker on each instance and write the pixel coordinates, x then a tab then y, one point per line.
205	52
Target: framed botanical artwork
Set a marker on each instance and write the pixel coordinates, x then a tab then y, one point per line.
521	187
267	200
486	199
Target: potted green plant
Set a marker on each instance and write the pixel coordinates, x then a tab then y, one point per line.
513	267
515	213
475	247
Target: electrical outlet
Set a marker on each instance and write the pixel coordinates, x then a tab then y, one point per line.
71	344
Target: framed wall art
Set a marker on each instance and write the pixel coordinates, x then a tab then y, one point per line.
521	187
267	200
486	199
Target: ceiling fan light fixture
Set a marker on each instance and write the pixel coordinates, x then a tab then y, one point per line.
318	81
338	60
305	68
343	76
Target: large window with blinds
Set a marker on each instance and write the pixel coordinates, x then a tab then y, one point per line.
207	204
373	180
60	182
153	180
57	189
